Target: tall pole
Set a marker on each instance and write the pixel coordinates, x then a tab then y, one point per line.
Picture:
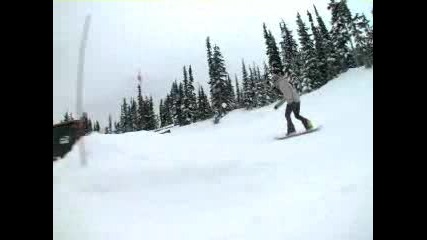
80	74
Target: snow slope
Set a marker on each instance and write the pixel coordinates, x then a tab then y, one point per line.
229	181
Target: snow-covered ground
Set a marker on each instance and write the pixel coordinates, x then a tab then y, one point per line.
231	180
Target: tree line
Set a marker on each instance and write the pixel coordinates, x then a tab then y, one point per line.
317	56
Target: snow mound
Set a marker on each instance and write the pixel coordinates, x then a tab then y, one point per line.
231	180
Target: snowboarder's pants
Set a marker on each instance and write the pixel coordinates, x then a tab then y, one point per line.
294	107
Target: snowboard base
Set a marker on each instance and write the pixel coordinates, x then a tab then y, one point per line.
298	133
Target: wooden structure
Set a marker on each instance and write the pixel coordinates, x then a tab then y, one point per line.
64	136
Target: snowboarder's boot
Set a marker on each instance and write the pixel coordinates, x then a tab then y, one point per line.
307	124
291	129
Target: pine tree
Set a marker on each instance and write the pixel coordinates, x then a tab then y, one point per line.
199	110
230	94
117	128
321	54
360	30
90	126
209	53
151	116
174	95
185	108
129	117
270	89
370	48
140	110
66	117
340	35
252	88
274	60
191	96
204	107
291	58
262	89
134	120
310	73
110	125
161	113
168	111
238	94
331	56
180	105
96	127
87	125
124	125
218	85
246	94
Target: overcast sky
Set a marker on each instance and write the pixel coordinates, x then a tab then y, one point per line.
159	37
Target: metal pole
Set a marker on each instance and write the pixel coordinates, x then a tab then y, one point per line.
80	84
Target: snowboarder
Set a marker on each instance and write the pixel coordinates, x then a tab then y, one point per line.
290	96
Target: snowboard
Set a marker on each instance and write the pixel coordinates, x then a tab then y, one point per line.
299	133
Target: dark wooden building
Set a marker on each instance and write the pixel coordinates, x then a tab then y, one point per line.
64	136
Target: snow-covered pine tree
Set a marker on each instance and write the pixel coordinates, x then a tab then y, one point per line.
331	55
310	72
351	60
275	63
168	110
230	94
185	107
124	117
270	90
252	88
133	115
218	85
238	93
96	127
291	58
246	93
90	128
140	110
370	48
256	86
110	125
174	95
209	53
129	117
151	116
340	35
116	127
180	105
161	113
321	54
262	89
87	125
204	107
360	30
191	95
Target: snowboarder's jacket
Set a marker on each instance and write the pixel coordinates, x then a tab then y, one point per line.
290	95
